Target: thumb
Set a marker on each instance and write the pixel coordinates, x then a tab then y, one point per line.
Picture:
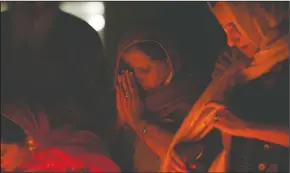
120	122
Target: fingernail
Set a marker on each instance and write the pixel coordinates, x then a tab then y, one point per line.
192	165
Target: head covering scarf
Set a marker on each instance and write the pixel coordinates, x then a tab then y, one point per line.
145	34
58	150
260	25
259	22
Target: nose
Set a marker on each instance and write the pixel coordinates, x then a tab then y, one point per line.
229	42
232	41
233	38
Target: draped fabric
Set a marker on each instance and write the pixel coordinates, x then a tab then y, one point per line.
196	125
260	22
147	34
260	25
165	106
58	149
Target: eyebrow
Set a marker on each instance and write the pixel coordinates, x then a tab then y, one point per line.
143	67
230	24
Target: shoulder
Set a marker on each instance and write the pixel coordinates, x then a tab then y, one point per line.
73	26
72	21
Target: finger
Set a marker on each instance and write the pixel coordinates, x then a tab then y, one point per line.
220	126
206	130
214	105
119	80
121	106
177	168
133	84
124	85
120	84
123	94
119	100
118	97
176	159
129	82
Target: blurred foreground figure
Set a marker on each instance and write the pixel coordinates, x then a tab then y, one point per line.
248	99
52	59
29	144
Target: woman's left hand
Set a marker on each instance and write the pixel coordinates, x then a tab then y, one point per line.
227	122
12	156
129	105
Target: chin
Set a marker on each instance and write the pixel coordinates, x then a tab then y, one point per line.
249	51
147	87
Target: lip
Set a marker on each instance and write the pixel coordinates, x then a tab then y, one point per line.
244	47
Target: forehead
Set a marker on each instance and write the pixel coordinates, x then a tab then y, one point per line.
135	57
223	14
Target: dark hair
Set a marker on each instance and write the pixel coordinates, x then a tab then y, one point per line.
11	132
150	48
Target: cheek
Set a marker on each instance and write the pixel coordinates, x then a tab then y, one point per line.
248	47
150	79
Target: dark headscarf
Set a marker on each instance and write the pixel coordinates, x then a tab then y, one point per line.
145	34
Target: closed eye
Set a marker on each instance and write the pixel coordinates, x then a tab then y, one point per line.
143	70
231	28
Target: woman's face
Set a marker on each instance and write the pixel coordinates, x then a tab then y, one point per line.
234	35
149	73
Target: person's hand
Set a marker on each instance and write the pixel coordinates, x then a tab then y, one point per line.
176	164
227	122
12	156
129	105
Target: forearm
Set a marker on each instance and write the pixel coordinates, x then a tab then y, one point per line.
273	134
156	138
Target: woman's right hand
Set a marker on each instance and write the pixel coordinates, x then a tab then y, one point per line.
130	107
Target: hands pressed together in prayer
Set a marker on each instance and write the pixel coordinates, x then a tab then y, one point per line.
129	105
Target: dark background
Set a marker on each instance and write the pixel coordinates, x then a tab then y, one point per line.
197	34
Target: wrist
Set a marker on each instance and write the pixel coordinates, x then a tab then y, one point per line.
247	130
139	127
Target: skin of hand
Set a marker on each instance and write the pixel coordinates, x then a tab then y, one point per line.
177	164
230	124
129	105
227	122
12	156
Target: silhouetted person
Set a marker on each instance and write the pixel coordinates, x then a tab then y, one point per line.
52	59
